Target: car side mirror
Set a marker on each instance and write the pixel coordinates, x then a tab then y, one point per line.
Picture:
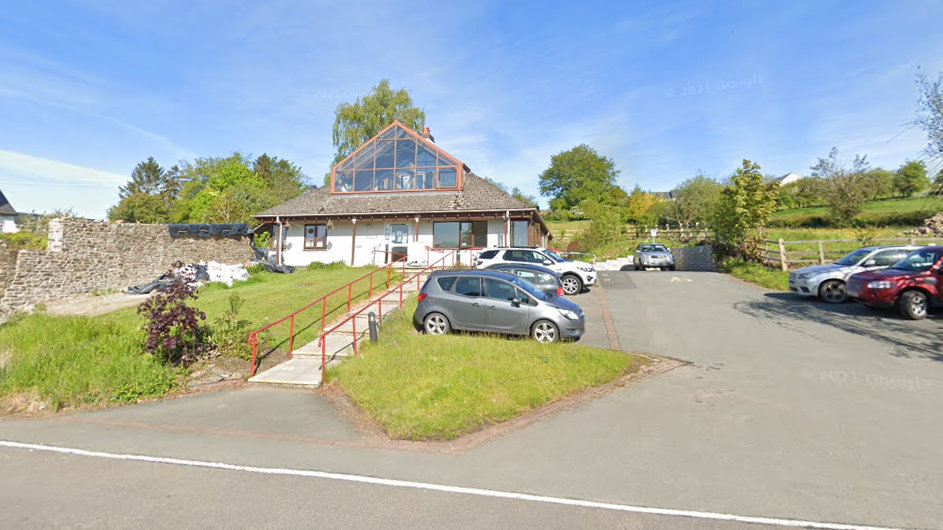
516	302
870	263
548	262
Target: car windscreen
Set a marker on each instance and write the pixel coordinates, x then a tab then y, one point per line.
653	248
919	260
528	288
854	257
554	256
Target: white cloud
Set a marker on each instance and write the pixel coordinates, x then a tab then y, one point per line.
42	185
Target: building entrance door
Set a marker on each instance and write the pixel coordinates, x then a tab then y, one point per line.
397	239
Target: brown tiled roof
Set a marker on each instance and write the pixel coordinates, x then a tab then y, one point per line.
476	195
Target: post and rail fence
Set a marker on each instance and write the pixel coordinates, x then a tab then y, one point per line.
786	255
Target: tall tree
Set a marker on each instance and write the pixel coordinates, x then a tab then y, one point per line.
576	175
694	200
642	207
147	178
283	179
846	190
930	111
742	211
880	183
148	196
357	122
911	178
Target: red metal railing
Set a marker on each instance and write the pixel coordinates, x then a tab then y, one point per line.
322	340
455	253
253	339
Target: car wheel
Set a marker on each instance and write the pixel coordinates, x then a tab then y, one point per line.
545	331
913	305
833	292
572	285
436	324
637	268
671	268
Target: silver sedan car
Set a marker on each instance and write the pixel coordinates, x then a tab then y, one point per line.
495	302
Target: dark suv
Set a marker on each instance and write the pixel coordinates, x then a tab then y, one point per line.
914	284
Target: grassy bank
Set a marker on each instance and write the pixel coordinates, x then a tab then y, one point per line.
888	212
421	387
758	274
74	361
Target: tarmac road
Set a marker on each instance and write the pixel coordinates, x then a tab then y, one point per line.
789	409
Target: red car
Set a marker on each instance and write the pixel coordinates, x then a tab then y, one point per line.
914	284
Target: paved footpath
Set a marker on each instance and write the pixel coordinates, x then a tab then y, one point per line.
788	410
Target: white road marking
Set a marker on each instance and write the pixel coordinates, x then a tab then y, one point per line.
790	523
682	280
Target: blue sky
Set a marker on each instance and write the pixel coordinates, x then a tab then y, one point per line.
88	88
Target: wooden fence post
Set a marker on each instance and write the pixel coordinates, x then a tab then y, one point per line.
782	255
821	253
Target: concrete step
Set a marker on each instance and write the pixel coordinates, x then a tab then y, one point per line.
298	371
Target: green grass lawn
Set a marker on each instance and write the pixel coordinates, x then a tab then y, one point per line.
758	274
421	387
74	361
887	212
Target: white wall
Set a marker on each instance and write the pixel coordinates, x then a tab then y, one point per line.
371	235
8	224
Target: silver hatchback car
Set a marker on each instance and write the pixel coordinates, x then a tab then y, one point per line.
495	302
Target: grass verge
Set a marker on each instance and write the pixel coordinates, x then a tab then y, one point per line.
420	387
58	362
758	274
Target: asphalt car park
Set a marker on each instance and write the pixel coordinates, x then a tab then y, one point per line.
786	397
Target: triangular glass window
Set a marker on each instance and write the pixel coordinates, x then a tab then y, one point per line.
396	160
425	156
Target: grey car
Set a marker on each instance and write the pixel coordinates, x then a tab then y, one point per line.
827	282
540	277
495	302
653	255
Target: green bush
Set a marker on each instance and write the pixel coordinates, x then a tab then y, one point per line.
333	266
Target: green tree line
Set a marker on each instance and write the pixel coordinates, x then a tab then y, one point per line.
207	190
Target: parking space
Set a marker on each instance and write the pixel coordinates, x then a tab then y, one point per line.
790	397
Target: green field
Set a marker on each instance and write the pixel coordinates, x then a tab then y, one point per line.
65	362
422	387
888	212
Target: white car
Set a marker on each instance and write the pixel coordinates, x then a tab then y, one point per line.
576	275
827	282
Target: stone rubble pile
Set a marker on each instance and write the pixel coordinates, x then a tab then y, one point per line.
931	227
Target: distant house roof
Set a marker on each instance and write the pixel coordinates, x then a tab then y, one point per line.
5	207
476	195
786	179
666	195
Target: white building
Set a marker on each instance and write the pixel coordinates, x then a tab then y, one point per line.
400	195
788	178
7	216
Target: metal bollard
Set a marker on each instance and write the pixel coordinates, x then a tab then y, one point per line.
372	324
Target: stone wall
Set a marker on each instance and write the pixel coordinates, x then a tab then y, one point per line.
86	256
694	259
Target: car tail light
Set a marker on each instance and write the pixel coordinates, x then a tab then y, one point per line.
559	291
422	296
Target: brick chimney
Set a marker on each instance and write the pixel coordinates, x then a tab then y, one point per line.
427	135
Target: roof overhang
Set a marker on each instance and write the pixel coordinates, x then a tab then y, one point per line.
514	213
